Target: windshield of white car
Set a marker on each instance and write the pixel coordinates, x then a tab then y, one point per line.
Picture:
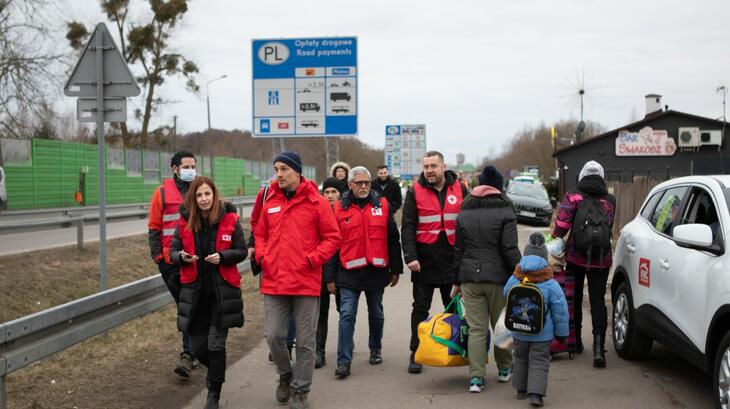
524	189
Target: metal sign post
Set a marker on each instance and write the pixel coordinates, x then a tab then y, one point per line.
101	73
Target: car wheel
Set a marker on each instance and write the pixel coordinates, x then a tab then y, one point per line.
721	374
628	341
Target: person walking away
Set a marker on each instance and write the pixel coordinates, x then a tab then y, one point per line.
388	188
163	218
295	235
370	260
340	170
208	244
428	232
486	253
331	189
586	215
532	351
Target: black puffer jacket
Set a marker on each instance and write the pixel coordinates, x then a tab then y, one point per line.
228	298
486	238
390	189
437	260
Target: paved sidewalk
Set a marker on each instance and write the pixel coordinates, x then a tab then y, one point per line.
573	383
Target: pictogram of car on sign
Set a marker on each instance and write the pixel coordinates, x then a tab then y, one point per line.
340	96
309	106
307	124
305	90
340	108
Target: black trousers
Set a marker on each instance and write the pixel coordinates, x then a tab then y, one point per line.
324	311
597	280
209	345
422	298
171	276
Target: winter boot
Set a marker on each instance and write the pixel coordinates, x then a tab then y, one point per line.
214	394
599	351
319	360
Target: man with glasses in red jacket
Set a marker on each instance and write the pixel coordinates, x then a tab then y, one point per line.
295	235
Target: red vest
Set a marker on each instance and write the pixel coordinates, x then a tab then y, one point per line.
170	212
432	220
364	235
223	241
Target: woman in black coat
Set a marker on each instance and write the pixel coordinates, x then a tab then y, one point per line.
208	244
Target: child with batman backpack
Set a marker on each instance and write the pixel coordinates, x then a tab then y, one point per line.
536	313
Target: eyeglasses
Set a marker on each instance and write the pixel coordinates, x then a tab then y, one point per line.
361	182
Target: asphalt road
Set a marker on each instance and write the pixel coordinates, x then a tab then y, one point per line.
44	239
662	381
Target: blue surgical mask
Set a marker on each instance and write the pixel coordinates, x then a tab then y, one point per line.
187	175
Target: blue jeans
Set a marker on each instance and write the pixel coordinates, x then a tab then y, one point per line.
348	312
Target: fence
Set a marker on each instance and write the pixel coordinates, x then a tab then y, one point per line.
630	196
43	173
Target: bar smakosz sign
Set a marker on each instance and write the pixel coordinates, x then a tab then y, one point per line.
646	142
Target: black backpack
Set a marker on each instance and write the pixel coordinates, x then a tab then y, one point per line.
525	310
591	231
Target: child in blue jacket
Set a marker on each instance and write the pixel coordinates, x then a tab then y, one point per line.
531	359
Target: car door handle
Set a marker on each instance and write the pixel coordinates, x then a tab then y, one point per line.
630	248
664	264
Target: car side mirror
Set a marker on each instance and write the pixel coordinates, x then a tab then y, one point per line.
693	235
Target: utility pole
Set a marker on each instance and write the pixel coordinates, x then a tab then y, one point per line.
174	133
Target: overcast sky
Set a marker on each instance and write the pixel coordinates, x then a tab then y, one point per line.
474	72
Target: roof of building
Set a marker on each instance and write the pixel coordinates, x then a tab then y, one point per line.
650	117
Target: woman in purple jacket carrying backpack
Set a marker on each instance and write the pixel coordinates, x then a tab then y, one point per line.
587	214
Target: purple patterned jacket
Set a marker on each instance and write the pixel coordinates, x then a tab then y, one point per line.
592	186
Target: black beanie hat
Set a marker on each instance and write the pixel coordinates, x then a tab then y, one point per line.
490	176
292	159
338	184
536	246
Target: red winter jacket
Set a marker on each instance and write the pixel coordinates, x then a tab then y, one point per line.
293	239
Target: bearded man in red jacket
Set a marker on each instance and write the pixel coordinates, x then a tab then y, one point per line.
295	235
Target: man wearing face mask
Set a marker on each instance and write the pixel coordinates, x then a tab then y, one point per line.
164	206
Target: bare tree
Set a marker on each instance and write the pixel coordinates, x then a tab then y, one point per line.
29	65
147	45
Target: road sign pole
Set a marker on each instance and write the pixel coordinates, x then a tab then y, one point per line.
102	156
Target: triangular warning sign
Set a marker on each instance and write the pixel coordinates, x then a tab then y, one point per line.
117	78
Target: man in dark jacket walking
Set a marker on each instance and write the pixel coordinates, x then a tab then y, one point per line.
370	260
388	188
429	234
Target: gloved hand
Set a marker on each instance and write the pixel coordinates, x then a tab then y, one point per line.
561	340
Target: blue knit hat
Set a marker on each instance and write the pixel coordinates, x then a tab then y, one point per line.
292	159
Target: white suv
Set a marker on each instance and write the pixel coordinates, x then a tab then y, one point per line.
671	280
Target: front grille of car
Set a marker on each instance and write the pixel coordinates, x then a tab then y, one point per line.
535	210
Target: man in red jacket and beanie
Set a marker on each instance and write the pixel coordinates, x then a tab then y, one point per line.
295	235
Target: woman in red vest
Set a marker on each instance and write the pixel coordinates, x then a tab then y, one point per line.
208	244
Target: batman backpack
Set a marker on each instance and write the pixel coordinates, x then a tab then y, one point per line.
525	311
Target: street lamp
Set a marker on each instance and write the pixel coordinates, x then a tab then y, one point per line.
207	94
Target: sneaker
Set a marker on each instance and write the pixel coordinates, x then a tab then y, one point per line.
196	363
476	384
185	366
504	375
342	371
535	400
299	401
521	395
414	367
375	357
319	360
283	390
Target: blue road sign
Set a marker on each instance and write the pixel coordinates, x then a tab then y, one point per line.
305	87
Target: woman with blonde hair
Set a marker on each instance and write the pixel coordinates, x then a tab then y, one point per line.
208	244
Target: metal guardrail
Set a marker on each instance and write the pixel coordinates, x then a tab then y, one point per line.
31	338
